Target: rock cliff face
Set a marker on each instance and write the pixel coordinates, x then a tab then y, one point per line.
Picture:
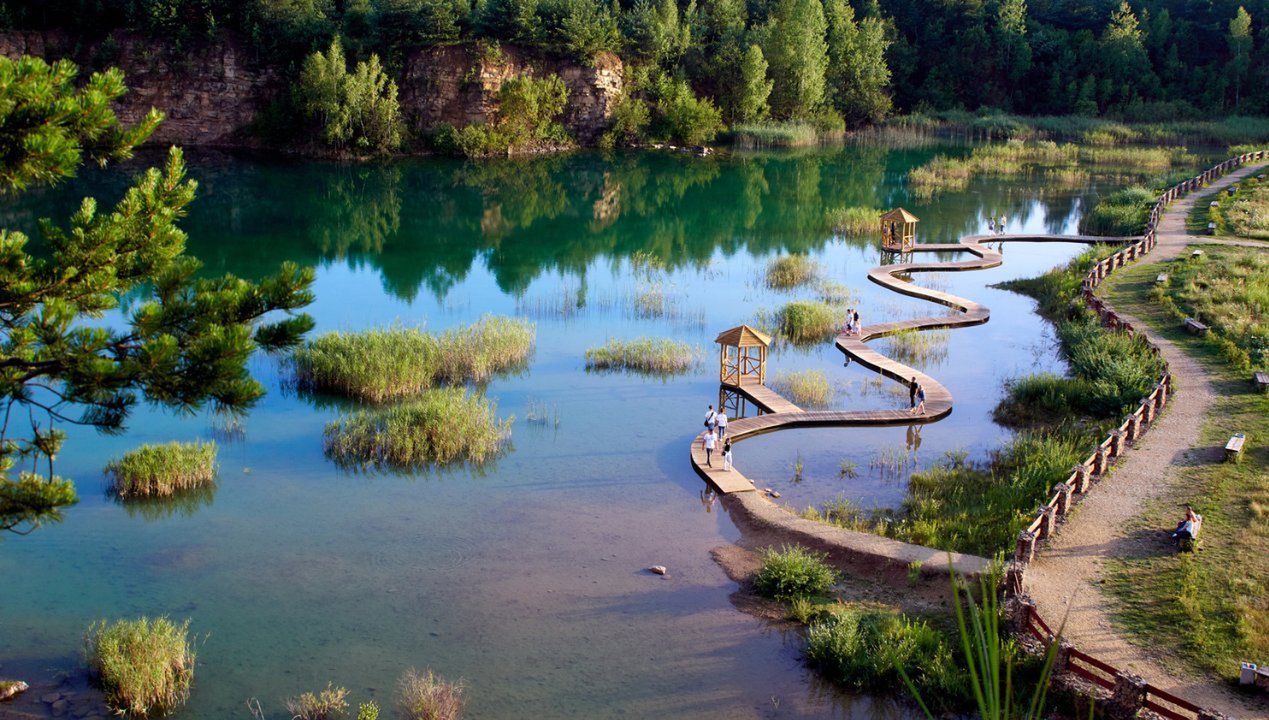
460	84
212	93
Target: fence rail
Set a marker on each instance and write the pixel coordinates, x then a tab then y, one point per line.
1096	466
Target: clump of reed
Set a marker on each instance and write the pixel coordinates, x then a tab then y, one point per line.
807	388
835	293
918	347
145	667
754	136
863	647
790	271
1122	213
794	571
384	364
328	704
855	220
441	426
656	356
429	697
160	471
802	322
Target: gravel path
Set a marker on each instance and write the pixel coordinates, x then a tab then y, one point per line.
1069	570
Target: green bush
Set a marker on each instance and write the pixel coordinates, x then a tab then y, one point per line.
144	666
528	117
628	123
439	427
1122	213
681	116
862	649
793	571
353	111
163	470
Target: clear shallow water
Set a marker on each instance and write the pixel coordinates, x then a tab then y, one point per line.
526	578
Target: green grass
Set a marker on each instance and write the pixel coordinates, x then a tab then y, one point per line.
753	136
1122	213
917	347
1245	214
790	271
655	356
441	426
395	362
969	507
145	667
995	125
793	571
161	471
857	221
328	704
803	322
1218	595
429	697
807	388
862	647
1227	289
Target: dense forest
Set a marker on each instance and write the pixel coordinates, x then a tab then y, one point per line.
704	63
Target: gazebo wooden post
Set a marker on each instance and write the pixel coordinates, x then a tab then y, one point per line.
735	366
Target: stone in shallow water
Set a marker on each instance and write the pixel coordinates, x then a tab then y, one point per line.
658	569
12	690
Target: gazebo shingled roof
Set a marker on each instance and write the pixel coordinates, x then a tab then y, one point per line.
900	214
743	336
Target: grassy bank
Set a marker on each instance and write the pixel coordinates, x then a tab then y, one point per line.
655	356
1217	594
1086	130
1245	214
160	471
383	364
145	667
441	426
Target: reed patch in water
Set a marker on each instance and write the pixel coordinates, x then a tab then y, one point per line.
790	271
658	356
145	667
807	388
161	471
855	220
803	322
427	696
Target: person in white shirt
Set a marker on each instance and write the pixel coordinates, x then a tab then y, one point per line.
720	420
709	447
710	423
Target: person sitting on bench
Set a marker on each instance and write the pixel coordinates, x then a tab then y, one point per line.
1188	529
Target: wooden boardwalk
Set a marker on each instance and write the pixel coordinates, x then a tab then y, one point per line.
782	414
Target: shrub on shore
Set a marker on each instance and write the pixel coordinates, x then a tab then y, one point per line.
862	648
429	697
793	571
163	470
145	667
658	356
808	388
383	364
441	426
790	271
329	704
806	321
854	220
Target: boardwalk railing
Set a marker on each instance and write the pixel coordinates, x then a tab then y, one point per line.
1129	693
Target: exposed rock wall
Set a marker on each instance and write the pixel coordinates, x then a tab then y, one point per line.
212	93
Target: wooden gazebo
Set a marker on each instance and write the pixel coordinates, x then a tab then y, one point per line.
898	230
742	356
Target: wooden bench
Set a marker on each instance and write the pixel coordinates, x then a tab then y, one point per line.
1161	279
1199	253
1260	380
1234	448
1194	327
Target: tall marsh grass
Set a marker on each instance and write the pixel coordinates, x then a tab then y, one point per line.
429	697
918	347
793	571
857	221
790	271
807	388
328	704
757	136
1122	213
655	356
441	426
384	364
803	322
160	471
145	667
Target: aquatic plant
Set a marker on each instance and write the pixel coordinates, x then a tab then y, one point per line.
384	364
848	469
808	388
441	426
794	571
1122	213
790	271
754	136
368	711
163	470
429	697
856	221
807	321
145	667
835	293
328	704
658	356
918	347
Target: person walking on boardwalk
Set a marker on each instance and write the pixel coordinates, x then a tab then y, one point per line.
859	329
709	448
720	421
709	418
920	401
727	455
912	392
